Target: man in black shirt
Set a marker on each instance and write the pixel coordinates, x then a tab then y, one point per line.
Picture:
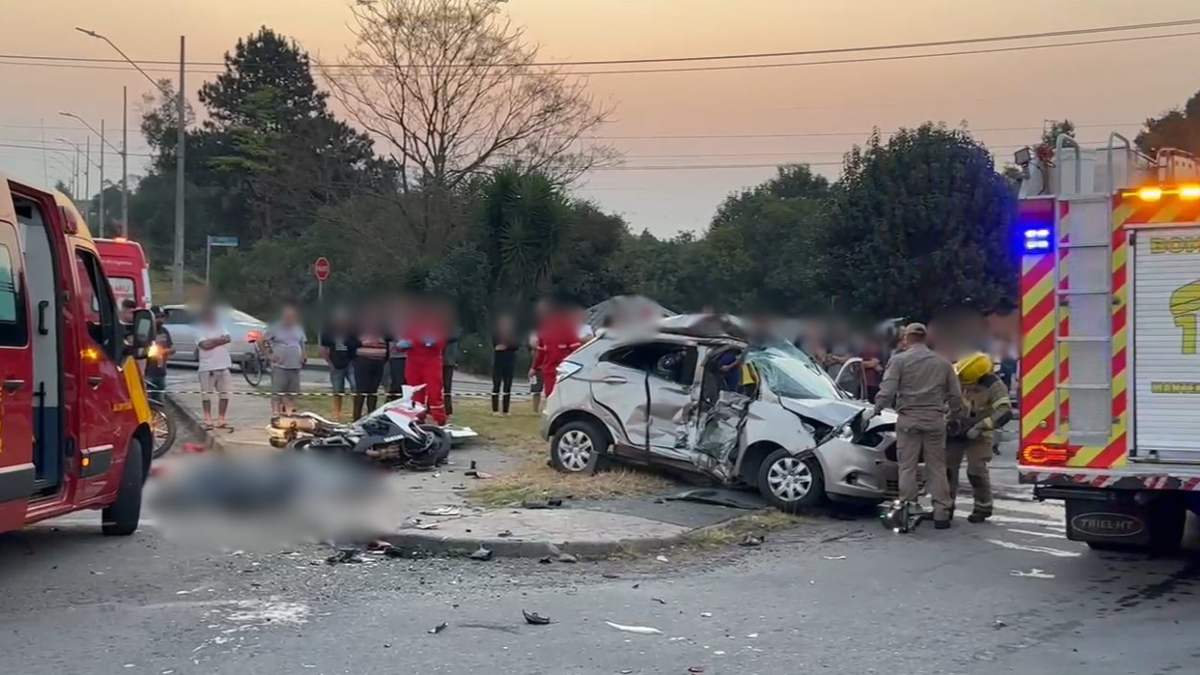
156	358
337	348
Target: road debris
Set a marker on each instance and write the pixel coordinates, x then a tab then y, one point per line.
552	503
442	511
545	560
438	628
638	630
834	557
535	619
610	575
752	540
706	615
505	534
998	624
695	669
481	554
659	601
567	558
344	556
1035	573
662	558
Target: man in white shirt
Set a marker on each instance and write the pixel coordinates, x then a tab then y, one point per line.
213	340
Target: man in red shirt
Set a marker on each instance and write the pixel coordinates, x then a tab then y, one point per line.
426	338
558	336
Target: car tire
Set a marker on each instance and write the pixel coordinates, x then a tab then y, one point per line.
577	447
791	483
121	518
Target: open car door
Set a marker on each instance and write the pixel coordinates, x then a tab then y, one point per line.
17	470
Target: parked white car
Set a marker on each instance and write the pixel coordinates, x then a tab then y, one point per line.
180	322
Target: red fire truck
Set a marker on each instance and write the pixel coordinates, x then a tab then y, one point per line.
74	421
1110	371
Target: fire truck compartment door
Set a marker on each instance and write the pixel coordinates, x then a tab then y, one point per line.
1166	351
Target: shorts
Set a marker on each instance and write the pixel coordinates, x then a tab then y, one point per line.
340	378
285	381
535	383
216	382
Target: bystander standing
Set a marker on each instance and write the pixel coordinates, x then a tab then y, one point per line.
370	357
504	360
156	357
338	352
286	344
212	342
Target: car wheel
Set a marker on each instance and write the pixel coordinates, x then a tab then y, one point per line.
577	447
790	483
121	519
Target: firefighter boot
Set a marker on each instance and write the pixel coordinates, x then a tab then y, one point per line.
981	487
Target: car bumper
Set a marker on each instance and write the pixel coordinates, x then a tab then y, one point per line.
858	471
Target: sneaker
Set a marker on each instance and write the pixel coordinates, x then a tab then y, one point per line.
941	524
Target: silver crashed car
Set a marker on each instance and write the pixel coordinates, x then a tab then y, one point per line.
692	393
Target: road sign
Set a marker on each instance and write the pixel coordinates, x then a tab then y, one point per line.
321	268
227	242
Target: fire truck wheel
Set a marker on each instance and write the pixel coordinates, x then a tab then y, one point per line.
1168	514
121	519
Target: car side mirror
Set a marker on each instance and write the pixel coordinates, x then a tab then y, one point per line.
142	331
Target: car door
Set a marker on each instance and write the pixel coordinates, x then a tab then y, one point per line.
16	375
671	398
618	382
104	392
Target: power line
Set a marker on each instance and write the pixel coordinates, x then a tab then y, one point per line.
821	134
685	59
879	59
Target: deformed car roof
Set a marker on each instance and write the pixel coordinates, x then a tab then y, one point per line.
708	326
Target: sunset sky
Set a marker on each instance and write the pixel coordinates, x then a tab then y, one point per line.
1105	87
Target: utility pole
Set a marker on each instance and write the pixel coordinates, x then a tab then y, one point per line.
100	219
87	177
124	161
180	142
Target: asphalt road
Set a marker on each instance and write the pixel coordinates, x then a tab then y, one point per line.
837	594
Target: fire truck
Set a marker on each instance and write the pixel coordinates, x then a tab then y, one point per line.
1109	364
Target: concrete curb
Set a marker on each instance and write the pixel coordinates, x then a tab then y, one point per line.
428	542
188	419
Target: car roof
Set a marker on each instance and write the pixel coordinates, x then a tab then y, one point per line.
685	328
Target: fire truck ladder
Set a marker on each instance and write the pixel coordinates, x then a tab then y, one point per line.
1085	249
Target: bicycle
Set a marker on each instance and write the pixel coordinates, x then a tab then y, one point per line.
162	428
257	363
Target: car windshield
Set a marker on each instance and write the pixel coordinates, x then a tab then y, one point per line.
790	372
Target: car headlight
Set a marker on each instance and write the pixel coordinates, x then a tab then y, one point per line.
565	370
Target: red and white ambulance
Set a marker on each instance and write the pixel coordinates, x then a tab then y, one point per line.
127	269
1110	365
74	421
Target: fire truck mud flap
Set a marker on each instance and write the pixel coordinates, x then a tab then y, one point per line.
1121	519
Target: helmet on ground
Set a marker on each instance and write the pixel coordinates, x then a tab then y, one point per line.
972	367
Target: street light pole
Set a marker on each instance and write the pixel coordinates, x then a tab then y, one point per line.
180	142
124	161
87	177
100	218
180	104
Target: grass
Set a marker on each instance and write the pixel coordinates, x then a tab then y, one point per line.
517	435
734	531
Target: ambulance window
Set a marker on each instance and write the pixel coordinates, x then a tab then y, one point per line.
98	306
13	331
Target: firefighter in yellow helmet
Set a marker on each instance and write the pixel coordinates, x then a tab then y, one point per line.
986	407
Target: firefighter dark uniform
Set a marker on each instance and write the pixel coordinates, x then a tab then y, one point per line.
986	407
922	387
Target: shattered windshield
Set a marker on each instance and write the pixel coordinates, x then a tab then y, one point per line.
790	372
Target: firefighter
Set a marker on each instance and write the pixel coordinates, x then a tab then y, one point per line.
922	387
985	408
426	341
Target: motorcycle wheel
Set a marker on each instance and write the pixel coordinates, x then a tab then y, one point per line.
439	447
162	428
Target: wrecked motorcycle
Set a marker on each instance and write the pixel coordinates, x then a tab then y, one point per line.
395	435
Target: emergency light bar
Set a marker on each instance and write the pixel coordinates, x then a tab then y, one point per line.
1037	241
1154	193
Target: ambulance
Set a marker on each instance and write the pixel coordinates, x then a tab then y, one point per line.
1110	361
74	420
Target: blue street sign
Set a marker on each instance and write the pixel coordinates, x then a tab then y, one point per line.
223	241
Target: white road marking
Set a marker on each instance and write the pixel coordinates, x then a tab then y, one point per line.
1035	573
1056	552
1048	524
1048	535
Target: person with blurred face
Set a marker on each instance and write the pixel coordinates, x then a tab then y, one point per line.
286	344
156	359
558	336
537	354
426	337
215	363
370	346
504	361
337	350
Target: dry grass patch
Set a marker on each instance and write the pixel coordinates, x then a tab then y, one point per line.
517	435
735	531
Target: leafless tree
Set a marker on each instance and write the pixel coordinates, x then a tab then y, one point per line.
453	87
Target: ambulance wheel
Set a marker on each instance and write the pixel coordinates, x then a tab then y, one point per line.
791	483
121	519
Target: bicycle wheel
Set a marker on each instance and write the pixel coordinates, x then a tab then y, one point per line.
252	370
162	427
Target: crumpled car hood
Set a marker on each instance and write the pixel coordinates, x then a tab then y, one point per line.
833	411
